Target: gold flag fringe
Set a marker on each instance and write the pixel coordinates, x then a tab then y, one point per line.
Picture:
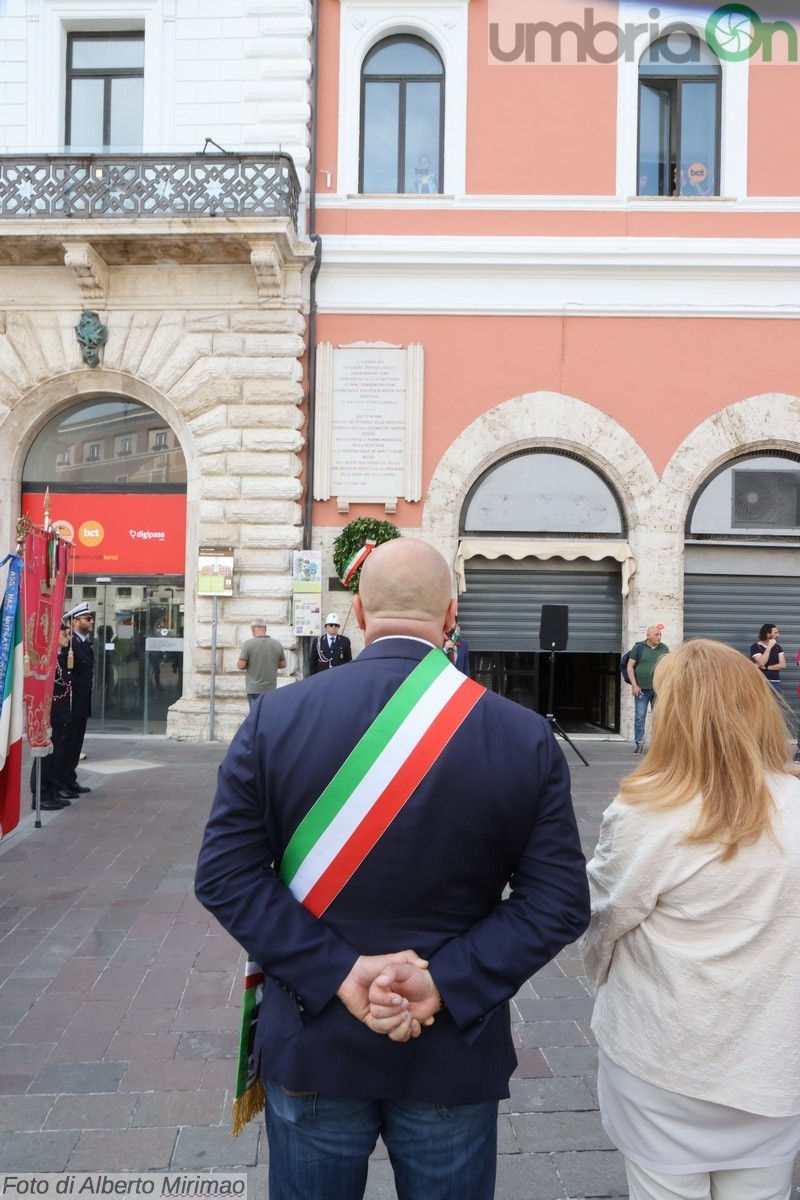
247	1106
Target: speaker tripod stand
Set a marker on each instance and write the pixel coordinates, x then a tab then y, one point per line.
550	716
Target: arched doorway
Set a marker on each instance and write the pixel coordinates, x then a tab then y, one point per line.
741	562
117	481
544	527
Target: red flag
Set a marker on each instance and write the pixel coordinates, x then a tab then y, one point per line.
44	580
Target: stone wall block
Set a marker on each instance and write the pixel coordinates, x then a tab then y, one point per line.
280	440
213	394
277	418
188	351
268	320
281	464
140	334
271	27
285	487
217	441
23	336
239	612
222	487
210	511
271	512
238	369
213	464
274	345
167	334
271	587
264	488
219	533
215	419
228	344
273	538
258	394
50	338
207	322
254	559
12	366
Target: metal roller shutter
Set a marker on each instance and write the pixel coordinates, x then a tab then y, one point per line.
501	609
732	609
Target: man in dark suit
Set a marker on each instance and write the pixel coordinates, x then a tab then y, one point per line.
334	869
332	649
82	678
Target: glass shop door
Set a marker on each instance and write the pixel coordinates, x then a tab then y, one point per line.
138	653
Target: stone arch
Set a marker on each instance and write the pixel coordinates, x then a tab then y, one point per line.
530	421
727	434
21	424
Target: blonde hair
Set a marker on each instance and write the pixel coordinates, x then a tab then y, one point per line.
718	730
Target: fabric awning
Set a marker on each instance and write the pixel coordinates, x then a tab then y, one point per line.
520	548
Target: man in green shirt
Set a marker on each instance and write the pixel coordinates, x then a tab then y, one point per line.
640	674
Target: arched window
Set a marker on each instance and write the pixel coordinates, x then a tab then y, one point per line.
543	492
402	112
679	118
757	497
108	442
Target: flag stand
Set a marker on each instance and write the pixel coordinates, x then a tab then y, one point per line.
37	824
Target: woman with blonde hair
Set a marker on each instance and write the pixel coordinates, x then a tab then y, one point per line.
694	944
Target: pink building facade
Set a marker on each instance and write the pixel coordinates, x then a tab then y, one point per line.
595	267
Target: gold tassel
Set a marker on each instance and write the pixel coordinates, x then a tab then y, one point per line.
26	664
247	1106
70	658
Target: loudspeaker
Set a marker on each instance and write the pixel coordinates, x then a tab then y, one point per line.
554	627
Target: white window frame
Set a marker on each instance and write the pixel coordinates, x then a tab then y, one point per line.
442	23
47	88
733	113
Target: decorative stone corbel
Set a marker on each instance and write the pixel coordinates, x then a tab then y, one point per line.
268	264
89	268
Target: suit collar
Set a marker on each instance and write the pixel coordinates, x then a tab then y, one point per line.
411	648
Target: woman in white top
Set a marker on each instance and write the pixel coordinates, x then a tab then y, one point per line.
694	944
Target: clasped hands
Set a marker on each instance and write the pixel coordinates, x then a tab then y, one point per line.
392	994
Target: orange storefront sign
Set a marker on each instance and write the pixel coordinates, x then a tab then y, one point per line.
119	534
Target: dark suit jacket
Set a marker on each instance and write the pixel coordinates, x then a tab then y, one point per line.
462	656
494	808
338	653
82	678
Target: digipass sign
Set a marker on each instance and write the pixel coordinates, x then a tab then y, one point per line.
119	534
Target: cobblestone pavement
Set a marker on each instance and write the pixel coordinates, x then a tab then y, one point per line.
119	996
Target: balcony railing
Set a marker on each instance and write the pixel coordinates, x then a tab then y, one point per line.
153	185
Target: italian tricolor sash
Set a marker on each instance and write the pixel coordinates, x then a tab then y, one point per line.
356	808
370	788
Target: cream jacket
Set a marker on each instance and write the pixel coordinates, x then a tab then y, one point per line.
695	962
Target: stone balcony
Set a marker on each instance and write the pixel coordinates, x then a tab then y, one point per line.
94	212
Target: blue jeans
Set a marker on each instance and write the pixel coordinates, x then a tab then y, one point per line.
319	1146
645	699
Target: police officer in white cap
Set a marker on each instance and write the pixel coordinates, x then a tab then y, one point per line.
81	662
332	649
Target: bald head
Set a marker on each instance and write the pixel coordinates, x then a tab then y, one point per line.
404	589
653	636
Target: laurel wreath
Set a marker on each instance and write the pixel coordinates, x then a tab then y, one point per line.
353	537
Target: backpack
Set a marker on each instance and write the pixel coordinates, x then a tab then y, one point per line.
623	662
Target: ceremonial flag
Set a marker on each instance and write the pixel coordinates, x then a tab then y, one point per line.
11	696
44	580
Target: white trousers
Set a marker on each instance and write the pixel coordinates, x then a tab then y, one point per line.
760	1183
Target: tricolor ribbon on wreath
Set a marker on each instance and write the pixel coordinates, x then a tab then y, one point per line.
358	560
354	811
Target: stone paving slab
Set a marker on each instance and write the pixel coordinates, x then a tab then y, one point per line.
119	1006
